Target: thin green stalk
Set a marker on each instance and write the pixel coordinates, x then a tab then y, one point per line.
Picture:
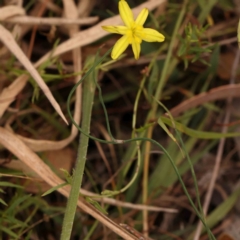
90	232
210	234
165	70
190	164
88	96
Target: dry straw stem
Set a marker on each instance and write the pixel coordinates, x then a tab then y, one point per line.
214	94
81	39
9	93
51	21
70	11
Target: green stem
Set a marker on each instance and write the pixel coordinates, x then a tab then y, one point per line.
88	96
165	71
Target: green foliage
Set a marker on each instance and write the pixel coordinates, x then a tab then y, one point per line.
54	189
192	46
194	133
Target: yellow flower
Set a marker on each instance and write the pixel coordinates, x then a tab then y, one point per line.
133	32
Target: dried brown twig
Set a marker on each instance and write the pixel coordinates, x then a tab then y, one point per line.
28	20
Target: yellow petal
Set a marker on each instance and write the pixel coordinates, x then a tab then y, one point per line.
125	13
141	18
115	29
136	47
119	47
150	35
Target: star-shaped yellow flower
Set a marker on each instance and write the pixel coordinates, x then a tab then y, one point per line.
133	33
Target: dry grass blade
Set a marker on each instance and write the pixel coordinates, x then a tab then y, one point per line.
7	38
214	94
51	21
70	11
45	145
119	203
9	93
9	11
